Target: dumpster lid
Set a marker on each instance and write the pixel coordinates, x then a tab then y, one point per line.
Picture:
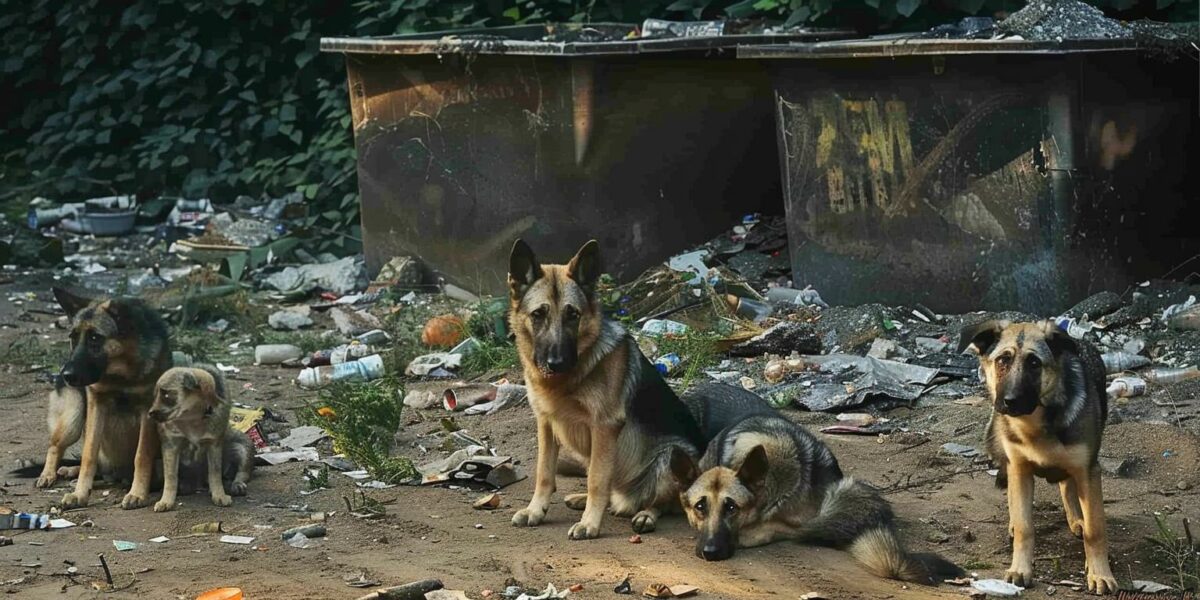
908	45
561	39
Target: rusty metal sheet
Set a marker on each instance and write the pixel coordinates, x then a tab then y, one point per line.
984	181
460	155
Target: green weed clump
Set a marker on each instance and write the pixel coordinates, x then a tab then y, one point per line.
362	419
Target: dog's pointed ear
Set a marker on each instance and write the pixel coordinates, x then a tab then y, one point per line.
683	467
1059	340
981	337
753	471
586	266
523	269
70	302
188	381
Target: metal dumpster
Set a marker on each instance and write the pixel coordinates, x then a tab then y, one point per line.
990	174
556	134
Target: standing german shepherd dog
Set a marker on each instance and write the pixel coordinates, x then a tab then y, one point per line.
118	351
593	392
1049	409
765	479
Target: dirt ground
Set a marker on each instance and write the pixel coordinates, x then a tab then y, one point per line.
946	504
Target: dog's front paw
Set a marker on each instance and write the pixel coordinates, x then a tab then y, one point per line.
1019	576
72	500
164	506
529	517
237	488
134	500
644	522
222	499
1101	583
46	480
584	531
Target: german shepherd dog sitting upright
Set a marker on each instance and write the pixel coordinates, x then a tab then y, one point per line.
1049	407
765	479
594	393
118	351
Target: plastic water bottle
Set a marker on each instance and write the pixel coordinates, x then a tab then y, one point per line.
363	369
274	354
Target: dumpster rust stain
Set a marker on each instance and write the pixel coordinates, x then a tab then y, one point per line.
414	95
868	172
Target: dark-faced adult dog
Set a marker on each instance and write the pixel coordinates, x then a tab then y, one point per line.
1049	409
118	351
764	479
594	393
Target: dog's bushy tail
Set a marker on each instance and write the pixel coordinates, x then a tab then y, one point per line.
855	517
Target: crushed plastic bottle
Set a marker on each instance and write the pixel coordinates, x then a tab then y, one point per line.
1126	387
1164	375
364	369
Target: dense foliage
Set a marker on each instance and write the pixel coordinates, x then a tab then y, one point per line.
225	97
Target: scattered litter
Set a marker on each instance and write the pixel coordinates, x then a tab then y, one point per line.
691	262
547	594
423	365
60	524
22	520
162	539
124	546
305	435
959	450
1126	387
901	381
289	320
1165	375
236	539
352	323
299	455
487	502
416	589
804	297
364	369
311	531
443	331
1150	587
996	587
778	369
276	354
469	465
340	277
664	327
1177	309
300	540
635	539
210	527
814	596
660	590
1116	362
226	593
359	580
667	364
625	587
783	339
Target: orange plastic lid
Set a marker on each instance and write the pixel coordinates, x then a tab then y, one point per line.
221	594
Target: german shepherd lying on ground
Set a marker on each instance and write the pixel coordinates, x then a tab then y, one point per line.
764	479
1049	409
118	351
594	393
192	408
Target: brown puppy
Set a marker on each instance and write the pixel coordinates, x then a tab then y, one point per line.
1049	410
192	411
594	393
118	350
